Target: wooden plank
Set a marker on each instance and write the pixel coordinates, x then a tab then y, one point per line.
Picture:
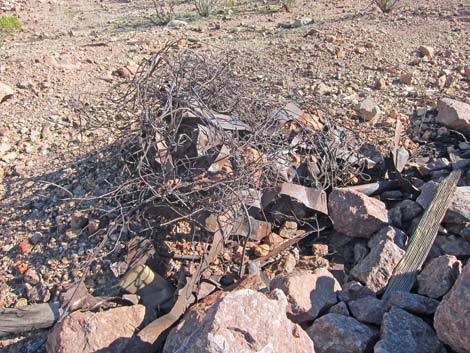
423	238
28	318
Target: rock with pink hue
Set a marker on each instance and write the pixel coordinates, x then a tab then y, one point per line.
308	293
106	331
452	318
356	214
240	321
376	269
438	276
455	115
336	333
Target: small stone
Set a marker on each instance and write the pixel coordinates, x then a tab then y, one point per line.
454	115
368	310
368	109
380	84
451	320
308	293
426	51
320	249
406	78
5	91
354	290
390	233
438	276
336	333
25	246
356	214
301	22
31	276
322	89
340	308
78	221
377	267
402	332
24	85
409	210
413	303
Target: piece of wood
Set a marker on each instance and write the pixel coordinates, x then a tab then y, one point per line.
404	275
28	318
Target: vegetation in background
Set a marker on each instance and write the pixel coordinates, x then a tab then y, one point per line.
387	6
288	4
164	11
9	24
205	7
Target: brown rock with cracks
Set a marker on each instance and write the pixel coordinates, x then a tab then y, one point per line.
455	115
376	269
239	321
308	293
438	276
336	333
106	331
452	318
356	214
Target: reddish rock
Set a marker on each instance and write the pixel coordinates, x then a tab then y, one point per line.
356	214
240	321
452	318
402	332
377	267
438	276
25	246
308	293
390	233
455	115
336	333
87	332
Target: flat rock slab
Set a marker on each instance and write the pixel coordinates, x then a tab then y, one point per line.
105	332
376	269
438	276
308	293
356	214
336	333
452	318
413	303
402	332
240	321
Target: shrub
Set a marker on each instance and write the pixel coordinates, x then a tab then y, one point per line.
387	6
9	24
164	11
288	4
205	7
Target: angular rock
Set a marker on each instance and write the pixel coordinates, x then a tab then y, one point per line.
377	267
390	233
87	332
402	332
426	51
335	333
368	310
409	210
300	22
438	276
453	245
356	214
368	109
452	318
459	209
239	321
5	91
428	191
340	308
455	115
413	303
354	290
308	293
177	24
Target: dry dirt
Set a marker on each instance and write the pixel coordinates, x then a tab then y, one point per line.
67	56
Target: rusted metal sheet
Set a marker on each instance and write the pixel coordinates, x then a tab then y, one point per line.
259	229
291	112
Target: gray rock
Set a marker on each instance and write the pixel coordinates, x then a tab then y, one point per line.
368	109
335	333
452	318
409	210
308	293
354	290
5	91
390	233
428	191
438	276
413	303
356	214
177	24
453	245
455	115
301	22
368	310
340	308
402	332
465	233
377	267
360	252
239	321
